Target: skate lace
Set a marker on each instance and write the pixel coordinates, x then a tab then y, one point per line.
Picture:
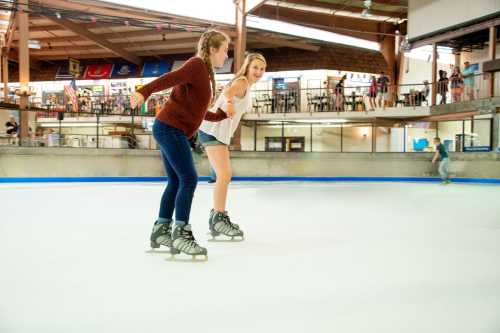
188	237
165	230
229	223
227	226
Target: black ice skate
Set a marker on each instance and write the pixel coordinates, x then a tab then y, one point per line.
161	235
220	224
183	241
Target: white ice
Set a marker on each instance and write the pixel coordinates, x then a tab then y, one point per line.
343	258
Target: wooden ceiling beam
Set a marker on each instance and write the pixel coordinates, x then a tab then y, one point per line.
281	42
256	7
349	26
118	38
125	46
98	40
111	55
347	8
9	34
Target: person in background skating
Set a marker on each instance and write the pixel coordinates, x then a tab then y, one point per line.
216	138
442	155
179	119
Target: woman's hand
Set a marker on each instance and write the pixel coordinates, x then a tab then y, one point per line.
230	110
136	100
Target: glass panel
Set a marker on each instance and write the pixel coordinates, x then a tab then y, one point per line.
450	133
477	134
420	136
357	138
482	128
298	137
271	131
390	139
326	137
247	135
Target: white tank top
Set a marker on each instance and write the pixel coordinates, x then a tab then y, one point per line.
223	130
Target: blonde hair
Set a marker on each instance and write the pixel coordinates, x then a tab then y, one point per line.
243	71
210	38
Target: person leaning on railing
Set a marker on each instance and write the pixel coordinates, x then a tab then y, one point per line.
457	84
372	93
468	74
442	87
339	94
383	90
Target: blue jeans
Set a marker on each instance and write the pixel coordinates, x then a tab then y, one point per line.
182	176
444	168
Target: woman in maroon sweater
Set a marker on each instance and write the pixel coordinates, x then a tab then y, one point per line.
182	114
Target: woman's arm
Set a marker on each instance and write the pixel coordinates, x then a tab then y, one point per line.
216	116
182	75
237	88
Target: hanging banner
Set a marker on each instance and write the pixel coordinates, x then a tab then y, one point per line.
98	72
155	68
124	71
74	67
63	73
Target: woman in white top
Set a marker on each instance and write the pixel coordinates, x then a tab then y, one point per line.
216	137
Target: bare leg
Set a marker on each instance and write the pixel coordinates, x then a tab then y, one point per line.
219	158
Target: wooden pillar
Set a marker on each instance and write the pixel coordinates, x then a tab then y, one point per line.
5	74
239	54
24	68
434	73
492	52
241	38
388	49
457	60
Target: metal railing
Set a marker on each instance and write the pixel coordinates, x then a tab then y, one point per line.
87	130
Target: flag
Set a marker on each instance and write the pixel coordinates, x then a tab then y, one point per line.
70	92
98	72
155	68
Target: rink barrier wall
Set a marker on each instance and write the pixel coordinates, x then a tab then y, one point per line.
17	180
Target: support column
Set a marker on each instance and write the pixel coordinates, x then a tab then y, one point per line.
4	114
457	60
5	74
492	52
434	73
24	68
241	30
388	49
239	54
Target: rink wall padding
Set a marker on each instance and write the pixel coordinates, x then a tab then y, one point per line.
71	164
14	180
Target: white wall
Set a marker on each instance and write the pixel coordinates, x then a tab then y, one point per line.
417	67
426	16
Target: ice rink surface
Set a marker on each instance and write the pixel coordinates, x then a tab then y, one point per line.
322	257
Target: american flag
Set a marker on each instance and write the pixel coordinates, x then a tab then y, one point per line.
70	92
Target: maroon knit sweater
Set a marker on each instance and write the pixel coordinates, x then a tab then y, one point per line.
188	103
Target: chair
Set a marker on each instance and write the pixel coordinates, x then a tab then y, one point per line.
268	102
291	103
256	105
311	102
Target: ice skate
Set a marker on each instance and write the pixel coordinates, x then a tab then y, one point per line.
212	212
161	235
220	224
183	241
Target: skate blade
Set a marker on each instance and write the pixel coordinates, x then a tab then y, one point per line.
157	251
187	258
225	239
